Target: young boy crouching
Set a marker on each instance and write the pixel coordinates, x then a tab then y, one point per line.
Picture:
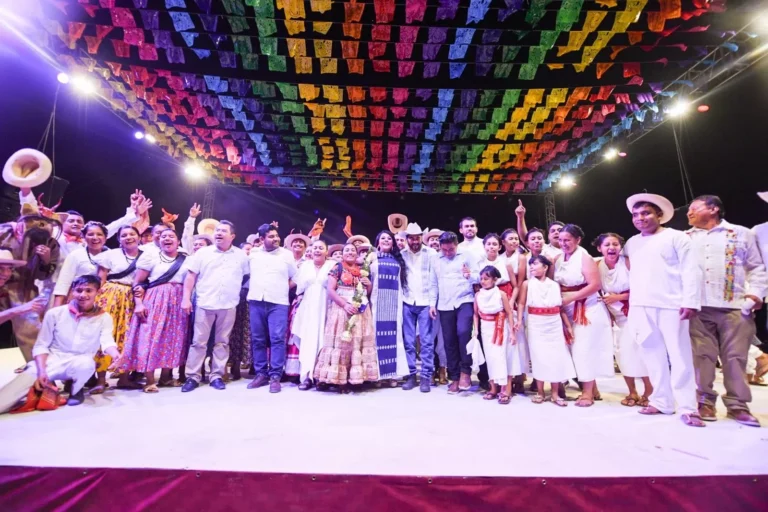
70	337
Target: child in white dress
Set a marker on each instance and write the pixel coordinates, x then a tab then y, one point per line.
614	278
546	322
494	316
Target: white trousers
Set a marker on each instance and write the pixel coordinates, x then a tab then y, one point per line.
75	367
205	319
665	346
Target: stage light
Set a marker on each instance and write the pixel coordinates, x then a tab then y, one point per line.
194	171
567	182
83	84
139	135
611	153
703	108
622	154
679	109
150	138
62	78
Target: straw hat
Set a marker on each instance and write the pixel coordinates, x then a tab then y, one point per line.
397	222
6	258
207	226
297	236
429	233
359	238
667	210
252	238
335	247
364	247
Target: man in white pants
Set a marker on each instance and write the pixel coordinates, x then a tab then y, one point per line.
68	341
665	280
218	270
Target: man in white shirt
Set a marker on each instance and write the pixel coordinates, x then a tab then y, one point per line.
451	293
69	339
416	319
218	271
552	249
187	236
472	244
734	285
272	269
665	293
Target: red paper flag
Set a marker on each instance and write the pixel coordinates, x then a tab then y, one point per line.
602	67
147	51
380	32
122	50
378	94
385	10
358	126
377	128
381	66
355	66
405	68
631	69
122	17
349	49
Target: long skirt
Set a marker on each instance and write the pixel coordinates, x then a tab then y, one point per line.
292	365
240	339
347	358
496	356
550	357
158	341
592	347
628	355
117	300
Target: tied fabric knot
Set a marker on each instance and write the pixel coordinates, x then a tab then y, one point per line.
73	238
498	320
579	306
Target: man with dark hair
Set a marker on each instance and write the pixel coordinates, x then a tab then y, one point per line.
69	339
218	270
453	273
472	244
734	284
268	305
552	249
665	293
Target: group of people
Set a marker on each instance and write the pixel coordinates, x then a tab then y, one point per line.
415	308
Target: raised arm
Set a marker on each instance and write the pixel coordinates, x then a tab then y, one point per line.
522	229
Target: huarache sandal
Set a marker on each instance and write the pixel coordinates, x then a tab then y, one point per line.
98	390
504	399
650	411
559	402
490	396
151	388
630	401
692	420
170	383
643	402
537	399
583	401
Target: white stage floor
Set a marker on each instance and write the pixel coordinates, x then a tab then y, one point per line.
383	432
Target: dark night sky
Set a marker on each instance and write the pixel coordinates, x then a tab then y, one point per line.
725	151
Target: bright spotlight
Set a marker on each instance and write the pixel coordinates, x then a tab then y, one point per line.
679	109
703	108
194	171
83	84
139	135
611	153
62	78
622	154
150	138
567	182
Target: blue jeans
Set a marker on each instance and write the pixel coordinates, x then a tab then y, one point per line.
414	316
268	322
457	331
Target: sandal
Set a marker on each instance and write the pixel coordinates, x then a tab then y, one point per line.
583	401
98	390
630	401
597	397
20	369
151	388
692	420
504	398
643	402
170	383
490	396
559	402
537	399
649	410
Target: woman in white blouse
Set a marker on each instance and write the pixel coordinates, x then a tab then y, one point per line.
312	297
117	268
159	325
80	261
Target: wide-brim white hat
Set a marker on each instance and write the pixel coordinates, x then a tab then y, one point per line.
413	229
6	258
430	233
397	222
335	247
359	238
207	226
27	168
667	210
763	196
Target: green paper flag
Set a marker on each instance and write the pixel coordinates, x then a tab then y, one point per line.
268	45
510	98
509	53
251	61
502	70
549	38
568	14
266	27
535	12
238	24
489	95
500	115
234	7
263	8
289	91
242	44
527	71
479	114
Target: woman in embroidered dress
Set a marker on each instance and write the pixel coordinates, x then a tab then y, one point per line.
348	356
546	320
159	326
592	349
298	244
388	275
240	338
312	304
614	279
515	255
116	269
494	321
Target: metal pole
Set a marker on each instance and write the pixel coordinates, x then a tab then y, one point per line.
210	198
550	215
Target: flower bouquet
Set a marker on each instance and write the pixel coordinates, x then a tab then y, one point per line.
359	299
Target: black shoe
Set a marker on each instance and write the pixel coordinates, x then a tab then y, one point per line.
77	398
189	385
274	384
306	385
410	383
217	384
424	386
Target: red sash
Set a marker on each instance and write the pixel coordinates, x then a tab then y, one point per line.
507	288
498	328
579	306
544	311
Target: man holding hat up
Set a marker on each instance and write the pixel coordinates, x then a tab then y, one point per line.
416	302
665	293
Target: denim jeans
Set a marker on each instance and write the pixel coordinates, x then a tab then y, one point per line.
413	317
457	331
269	322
